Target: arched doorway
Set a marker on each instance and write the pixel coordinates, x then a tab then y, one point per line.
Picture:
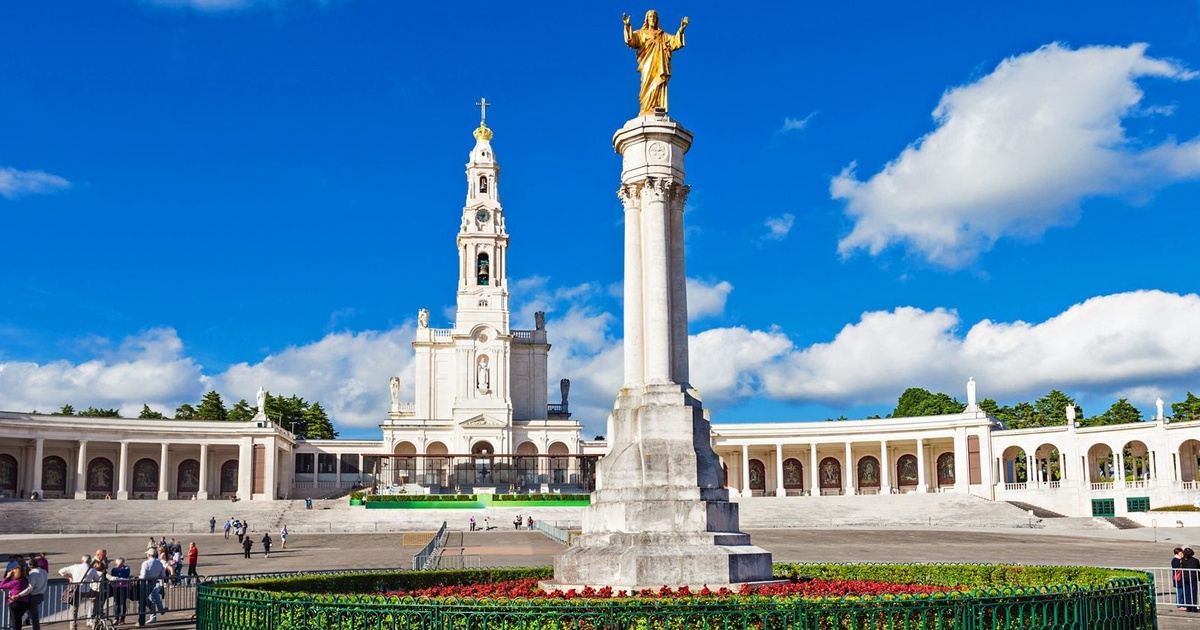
1137	462
1101	464
945	470
559	464
868	473
793	475
187	477
1014	465
758	476
145	478
229	478
1189	461
527	465
403	467
436	465
100	477
54	476
8	475
830	470
906	472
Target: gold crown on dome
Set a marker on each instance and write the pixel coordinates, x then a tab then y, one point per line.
483	133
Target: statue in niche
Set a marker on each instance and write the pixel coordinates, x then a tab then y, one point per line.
482	270
261	399
423	318
483	376
539	320
654	49
394	384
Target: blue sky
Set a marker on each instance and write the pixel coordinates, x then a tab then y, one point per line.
219	193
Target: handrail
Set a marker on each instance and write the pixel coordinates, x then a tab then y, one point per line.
423	558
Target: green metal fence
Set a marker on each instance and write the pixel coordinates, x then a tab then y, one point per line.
1122	604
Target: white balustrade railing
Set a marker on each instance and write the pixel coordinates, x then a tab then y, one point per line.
1189	485
1015	486
1102	485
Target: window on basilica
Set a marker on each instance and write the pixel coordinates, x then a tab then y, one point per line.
482	271
483	184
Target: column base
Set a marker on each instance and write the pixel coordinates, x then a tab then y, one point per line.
163	495
201	496
122	495
780	492
80	494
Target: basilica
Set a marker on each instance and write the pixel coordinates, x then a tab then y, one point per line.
481	422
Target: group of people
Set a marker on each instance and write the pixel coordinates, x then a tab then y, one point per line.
1185	573
97	585
487	523
24	585
528	522
241	529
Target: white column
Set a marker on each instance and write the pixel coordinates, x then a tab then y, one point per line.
921	486
1062	467
246	469
1174	468
962	461
634	351
885	469
270	472
202	493
656	291
38	454
848	472
81	471
1119	468
679	320
164	465
746	470
780	491
337	468
814	484
123	472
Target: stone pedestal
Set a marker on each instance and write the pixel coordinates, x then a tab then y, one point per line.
660	515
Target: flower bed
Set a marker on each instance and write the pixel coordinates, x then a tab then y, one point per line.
843	597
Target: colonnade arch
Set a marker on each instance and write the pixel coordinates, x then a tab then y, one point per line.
100	481
1189	461
8	474
1101	463
1136	460
868	473
1014	467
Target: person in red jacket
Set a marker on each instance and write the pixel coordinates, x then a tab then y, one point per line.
193	555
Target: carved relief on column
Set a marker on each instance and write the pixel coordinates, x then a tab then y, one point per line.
663	189
630	195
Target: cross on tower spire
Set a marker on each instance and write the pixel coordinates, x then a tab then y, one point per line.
483	105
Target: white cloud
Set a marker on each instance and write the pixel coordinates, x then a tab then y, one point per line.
796	124
14	183
1014	154
706	298
779	227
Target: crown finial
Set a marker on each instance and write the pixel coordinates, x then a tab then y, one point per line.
483	133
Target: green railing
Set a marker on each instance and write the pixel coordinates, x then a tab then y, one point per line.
1123	603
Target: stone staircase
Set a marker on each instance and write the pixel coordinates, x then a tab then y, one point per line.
1037	511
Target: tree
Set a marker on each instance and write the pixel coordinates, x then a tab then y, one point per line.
185	412
921	402
149	414
241	412
1051	409
1121	412
66	410
100	412
318	425
1186	409
288	412
211	407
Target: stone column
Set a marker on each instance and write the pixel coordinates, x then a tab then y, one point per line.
202	493
271	474
814	484
679	320
1062	467
246	469
81	471
123	472
780	491
633	351
38	453
885	469
1119	468
921	485
746	470
962	464
337	469
656	296
848	487
164	466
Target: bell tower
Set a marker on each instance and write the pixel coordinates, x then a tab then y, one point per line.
482	239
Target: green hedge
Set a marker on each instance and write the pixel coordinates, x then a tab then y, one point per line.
532	498
969	575
1176	508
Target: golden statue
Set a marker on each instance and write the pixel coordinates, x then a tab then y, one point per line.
654	48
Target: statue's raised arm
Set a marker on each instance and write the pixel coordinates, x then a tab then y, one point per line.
654	47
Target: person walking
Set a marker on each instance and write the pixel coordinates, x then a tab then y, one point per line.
36	592
266	543
530	523
246	545
1191	574
241	532
472	522
212	524
81	580
283	534
1177	576
118	582
228	526
517	522
13	585
193	556
149	588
